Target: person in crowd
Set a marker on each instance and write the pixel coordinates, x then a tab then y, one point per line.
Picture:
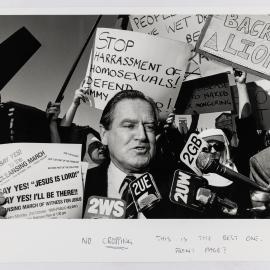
71	133
218	146
260	168
79	95
245	128
171	140
128	128
52	112
97	153
260	173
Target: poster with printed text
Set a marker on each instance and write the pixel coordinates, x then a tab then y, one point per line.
41	180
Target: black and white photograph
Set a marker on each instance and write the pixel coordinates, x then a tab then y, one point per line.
135	116
122	117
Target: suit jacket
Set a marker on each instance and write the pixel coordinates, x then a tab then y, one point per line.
260	167
97	184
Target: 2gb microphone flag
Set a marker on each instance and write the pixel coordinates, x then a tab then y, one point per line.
126	60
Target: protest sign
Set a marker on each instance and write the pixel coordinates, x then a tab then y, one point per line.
125	60
210	67
41	180
238	40
186	28
205	95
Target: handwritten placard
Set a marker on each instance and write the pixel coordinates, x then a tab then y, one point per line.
41	180
205	95
186	28
126	60
238	40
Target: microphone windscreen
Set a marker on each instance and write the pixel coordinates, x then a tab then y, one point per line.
204	195
147	201
204	161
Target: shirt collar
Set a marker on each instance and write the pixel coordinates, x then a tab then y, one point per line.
116	176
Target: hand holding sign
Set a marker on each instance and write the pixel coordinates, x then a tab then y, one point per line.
240	76
53	111
80	94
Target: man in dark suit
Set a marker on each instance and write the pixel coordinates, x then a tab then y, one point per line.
128	128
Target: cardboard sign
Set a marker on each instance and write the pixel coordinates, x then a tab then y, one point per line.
184	190
205	95
191	152
41	180
103	207
125	60
186	28
144	192
238	40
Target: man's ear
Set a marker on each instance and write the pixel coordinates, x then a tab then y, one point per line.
103	134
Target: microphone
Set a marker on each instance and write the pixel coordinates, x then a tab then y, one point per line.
208	164
207	197
143	195
144	192
192	191
98	207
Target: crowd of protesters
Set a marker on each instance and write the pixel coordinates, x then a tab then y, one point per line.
249	156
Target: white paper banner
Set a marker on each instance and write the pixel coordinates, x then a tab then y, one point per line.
239	39
186	28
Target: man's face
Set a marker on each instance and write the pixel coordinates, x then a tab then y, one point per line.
98	154
216	147
131	138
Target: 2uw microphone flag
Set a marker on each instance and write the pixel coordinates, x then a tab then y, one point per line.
15	52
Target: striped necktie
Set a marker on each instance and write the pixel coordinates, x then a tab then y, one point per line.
131	211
